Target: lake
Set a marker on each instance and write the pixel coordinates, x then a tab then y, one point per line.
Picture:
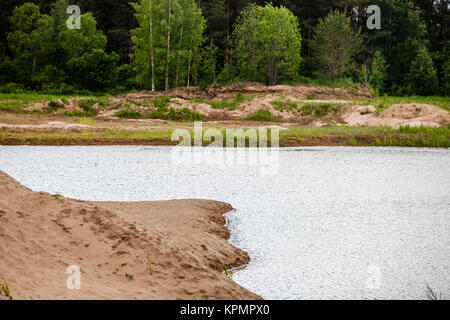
329	223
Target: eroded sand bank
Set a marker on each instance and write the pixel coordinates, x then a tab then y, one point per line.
184	242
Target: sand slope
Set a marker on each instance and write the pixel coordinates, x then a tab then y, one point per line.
41	235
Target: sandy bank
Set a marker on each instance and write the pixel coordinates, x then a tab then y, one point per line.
184	242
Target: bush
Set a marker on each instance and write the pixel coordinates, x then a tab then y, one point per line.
55	105
261	115
49	77
95	70
128	113
161	103
171	114
88	106
12	88
422	78
319	110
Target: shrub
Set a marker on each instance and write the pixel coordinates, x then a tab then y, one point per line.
161	103
171	114
88	106
128	113
54	105
422	78
12	88
261	115
224	104
94	70
319	110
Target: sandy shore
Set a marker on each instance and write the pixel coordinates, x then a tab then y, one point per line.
114	243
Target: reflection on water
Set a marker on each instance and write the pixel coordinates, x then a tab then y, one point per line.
332	223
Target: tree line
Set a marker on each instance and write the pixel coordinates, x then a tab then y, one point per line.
162	44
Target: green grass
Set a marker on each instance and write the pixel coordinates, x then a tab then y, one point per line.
128	113
262	115
299	136
17	102
320	109
227	272
161	102
149	267
321	82
4	288
378	136
232	105
78	114
172	114
283	105
129	276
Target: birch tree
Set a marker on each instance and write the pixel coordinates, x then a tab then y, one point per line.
166	41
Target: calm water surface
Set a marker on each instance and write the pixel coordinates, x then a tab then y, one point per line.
339	223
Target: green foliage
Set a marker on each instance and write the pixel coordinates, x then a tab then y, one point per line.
94	70
282	105
262	115
30	40
208	65
267	44
128	113
75	43
149	267
445	79
88	105
161	102
227	272
422	78
376	75
129	276
4	288
55	105
335	44
225	104
319	109
172	114
155	58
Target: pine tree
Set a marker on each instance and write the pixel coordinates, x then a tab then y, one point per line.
422	78
335	44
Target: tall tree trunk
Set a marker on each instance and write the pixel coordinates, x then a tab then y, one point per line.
227	44
189	67
178	54
151	46
309	31
33	66
168	45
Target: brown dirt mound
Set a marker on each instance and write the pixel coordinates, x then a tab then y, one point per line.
229	92
41	235
413	114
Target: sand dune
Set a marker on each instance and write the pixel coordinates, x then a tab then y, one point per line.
184	242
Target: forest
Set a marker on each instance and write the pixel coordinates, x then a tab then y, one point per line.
123	46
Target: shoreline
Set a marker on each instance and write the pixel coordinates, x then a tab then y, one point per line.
126	250
292	137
